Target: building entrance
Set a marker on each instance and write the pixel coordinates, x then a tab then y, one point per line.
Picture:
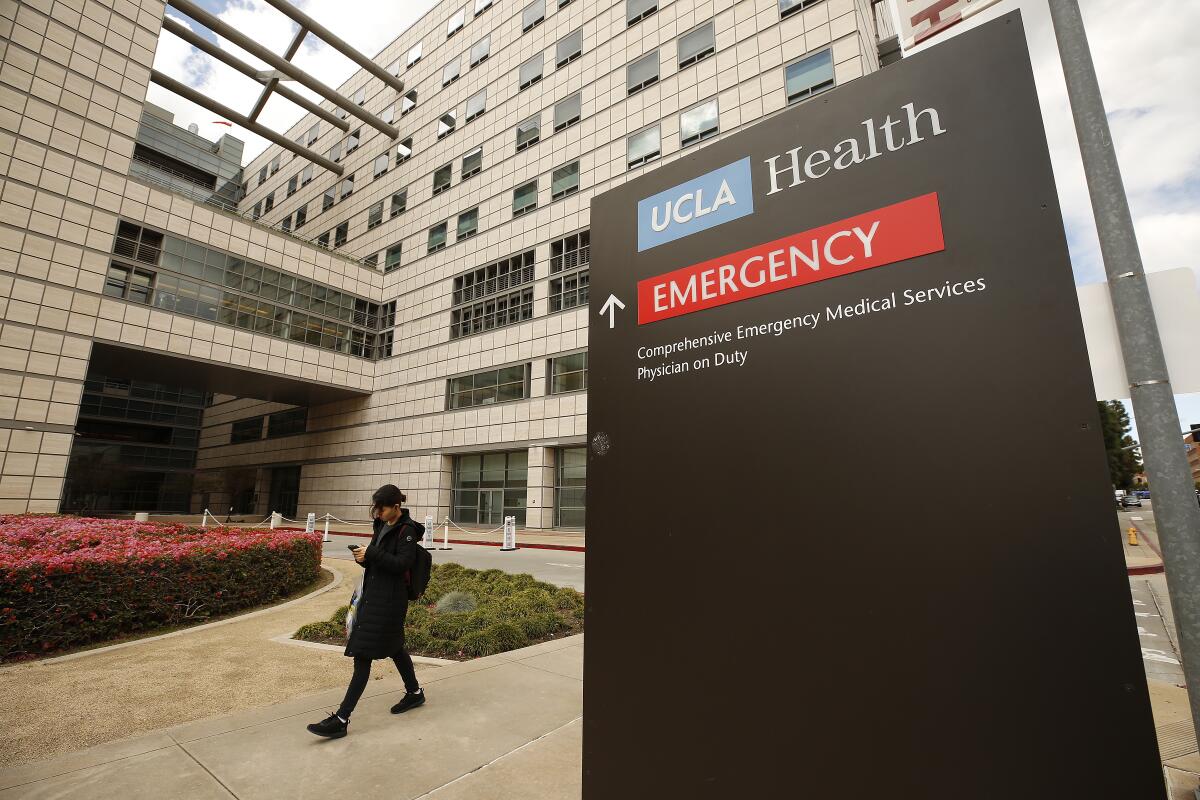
285	490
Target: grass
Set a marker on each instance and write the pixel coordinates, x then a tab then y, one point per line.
468	613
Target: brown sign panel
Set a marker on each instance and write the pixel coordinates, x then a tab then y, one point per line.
849	341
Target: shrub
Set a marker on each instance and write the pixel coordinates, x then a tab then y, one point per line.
318	631
457	602
507	635
479	643
540	625
567	599
339	616
67	581
449	626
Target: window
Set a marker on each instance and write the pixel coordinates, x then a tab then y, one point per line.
414	55
394	68
335	152
566	112
476	104
399	202
642	73
375	215
570	261
446	125
286	223
528	132
569	291
293	184
485	388
313	134
532	15
256	212
468	224
342	113
809	76
481	50
569	48
441	178
789	7
286	423
301	216
570	488
347	187
638	10
388	115
530	72
504	475
352	141
699	122
275	163
371	260
481	6
341	233
384	347
360	96
329	198
403	151
380	166
408	102
494	296
643	146
568	373
306	176
450	73
246	430
525	198
564	181
437	237
128	283
323	240
391	261
563	4
268	202
456	21
262	177
697	45
472	163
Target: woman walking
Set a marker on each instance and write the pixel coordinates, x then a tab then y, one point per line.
378	630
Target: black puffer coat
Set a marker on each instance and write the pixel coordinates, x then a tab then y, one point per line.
378	630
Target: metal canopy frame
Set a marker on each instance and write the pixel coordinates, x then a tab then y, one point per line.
271	83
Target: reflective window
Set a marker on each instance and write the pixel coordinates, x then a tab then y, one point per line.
789	7
489	387
399	202
391	261
532	15
450	72
530	72
408	102
414	54
642	73
643	146
446	125
638	10
564	180
468	224
568	48
472	163
567	112
481	50
528	132
404	150
698	122
437	237
476	104
525	198
441	178
456	21
809	76
375	215
697	45
380	166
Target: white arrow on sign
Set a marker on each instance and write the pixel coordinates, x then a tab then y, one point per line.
608	308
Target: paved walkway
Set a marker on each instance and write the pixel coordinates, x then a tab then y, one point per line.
505	726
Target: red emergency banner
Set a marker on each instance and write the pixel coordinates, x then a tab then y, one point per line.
893	233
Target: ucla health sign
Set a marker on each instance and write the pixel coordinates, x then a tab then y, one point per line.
714	198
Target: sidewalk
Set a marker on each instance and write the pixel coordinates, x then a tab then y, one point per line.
505	726
1144	558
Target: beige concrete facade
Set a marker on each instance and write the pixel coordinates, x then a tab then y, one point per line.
72	84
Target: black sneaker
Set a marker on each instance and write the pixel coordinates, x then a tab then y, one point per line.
331	727
409	700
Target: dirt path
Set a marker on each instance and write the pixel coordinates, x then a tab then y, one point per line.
50	709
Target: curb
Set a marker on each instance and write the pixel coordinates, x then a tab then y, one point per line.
1147	569
333	584
1152	569
286	638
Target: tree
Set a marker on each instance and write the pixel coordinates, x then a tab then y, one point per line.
1123	463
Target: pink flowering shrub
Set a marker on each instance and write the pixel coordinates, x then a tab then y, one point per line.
68	581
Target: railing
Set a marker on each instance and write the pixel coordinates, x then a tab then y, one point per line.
223	204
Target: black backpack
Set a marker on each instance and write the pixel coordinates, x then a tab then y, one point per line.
418	574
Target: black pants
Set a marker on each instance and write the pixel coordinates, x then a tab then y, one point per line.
362	673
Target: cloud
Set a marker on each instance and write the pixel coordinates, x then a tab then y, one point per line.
370	30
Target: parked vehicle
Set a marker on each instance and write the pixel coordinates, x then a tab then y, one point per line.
1131	500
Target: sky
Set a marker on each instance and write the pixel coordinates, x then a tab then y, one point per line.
1145	58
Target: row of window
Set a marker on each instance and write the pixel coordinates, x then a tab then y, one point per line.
280	423
563	374
490	486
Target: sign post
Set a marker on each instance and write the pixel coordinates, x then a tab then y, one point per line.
867	302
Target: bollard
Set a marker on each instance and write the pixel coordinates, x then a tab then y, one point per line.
446	537
310	524
1133	536
427	541
326	539
510	534
204	519
141	516
276	519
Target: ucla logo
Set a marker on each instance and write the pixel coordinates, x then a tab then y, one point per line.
704	202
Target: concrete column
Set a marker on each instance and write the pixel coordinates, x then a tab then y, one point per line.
442	477
540	499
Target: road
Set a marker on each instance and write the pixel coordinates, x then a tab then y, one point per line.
560	567
1152	606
